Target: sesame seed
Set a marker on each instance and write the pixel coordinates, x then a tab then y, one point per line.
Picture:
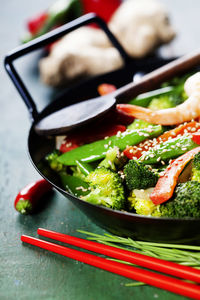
81	188
158	159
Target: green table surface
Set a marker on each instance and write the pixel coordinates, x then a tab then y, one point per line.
27	272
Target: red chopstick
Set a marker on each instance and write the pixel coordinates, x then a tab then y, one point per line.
164	282
129	256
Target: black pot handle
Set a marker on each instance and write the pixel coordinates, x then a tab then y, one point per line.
45	40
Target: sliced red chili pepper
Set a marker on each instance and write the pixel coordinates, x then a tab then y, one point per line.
77	139
106	88
137	151
36	23
28	198
166	184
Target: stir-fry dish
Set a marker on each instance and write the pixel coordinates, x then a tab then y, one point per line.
143	157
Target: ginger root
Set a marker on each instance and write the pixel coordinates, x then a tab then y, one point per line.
139	25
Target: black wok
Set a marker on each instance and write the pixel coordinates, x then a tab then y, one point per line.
118	222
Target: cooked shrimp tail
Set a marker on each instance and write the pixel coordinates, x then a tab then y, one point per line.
184	112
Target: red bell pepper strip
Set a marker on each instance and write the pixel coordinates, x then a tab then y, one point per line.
79	138
136	151
196	138
28	198
166	184
106	88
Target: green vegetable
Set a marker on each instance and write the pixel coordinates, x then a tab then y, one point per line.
106	189
52	160
97	150
60	12
138	124
168	149
163	102
196	168
163	98
84	167
138	176
187	255
145	98
74	185
186	202
140	202
113	160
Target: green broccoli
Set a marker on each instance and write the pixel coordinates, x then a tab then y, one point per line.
110	160
106	188
140	202
186	202
138	176
161	103
113	160
196	168
52	161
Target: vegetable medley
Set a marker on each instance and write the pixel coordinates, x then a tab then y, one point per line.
144	157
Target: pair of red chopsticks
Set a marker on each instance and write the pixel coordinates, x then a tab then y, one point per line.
161	281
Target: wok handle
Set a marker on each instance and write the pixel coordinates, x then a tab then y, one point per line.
45	40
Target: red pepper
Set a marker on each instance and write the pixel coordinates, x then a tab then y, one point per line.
36	23
166	184
191	127
103	8
196	138
27	199
79	138
106	88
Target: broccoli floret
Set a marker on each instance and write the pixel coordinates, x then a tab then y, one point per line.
110	160
161	103
140	202
113	160
196	167
106	188
53	162
186	202
138	176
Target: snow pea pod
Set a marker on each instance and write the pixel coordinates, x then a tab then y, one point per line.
97	150
84	167
74	185
169	149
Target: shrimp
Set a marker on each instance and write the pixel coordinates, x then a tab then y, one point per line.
184	112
